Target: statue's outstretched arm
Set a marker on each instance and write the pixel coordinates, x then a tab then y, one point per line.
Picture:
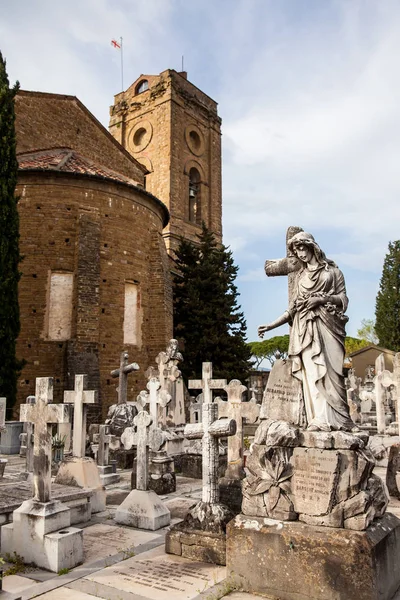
285	318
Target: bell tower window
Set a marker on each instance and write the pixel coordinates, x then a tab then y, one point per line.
142	86
194	196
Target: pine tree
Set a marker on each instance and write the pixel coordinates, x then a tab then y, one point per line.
9	241
206	312
387	308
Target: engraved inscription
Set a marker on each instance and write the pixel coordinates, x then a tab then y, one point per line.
313	481
283	395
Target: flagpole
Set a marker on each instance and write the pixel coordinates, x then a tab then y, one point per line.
122	68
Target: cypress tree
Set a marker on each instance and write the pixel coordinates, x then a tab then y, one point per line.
387	308
206	312
9	241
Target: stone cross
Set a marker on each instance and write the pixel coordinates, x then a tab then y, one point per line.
207	383
235	409
195	409
156	396
42	415
253	391
143	438
80	398
167	365
122	373
26	439
210	430
105	438
3	406
384	379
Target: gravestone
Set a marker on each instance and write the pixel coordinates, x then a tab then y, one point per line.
26	438
121	415
207	520
230	486
283	396
162	478
142	508
41	532
78	469
106	470
9	432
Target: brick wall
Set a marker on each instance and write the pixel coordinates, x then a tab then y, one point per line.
105	233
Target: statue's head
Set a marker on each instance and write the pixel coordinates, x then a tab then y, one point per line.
302	244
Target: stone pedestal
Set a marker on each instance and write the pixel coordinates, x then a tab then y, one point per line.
108	474
42	535
123	458
230	494
202	546
162	478
295	561
9	440
83	472
143	509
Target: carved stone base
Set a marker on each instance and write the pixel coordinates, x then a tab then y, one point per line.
83	472
196	545
162	478
143	509
294	561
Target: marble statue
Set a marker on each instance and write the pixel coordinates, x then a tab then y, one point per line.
317	317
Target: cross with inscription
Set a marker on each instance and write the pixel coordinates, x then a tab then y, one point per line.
143	438
42	415
209	431
122	373
235	409
80	398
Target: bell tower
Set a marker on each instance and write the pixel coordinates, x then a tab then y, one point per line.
173	129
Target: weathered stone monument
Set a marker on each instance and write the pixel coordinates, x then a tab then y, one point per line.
27	441
311	502
106	470
9	432
230	486
78	469
121	415
201	535
41	531
162	478
142	507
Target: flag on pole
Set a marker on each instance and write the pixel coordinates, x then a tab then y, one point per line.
115	44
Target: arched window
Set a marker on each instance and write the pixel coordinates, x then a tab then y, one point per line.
142	86
194	196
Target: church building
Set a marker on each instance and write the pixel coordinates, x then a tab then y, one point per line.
99	213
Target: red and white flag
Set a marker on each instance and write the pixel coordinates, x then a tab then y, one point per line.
115	44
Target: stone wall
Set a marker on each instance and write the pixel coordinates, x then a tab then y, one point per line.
106	234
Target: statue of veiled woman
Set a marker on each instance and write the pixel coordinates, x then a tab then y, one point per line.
316	348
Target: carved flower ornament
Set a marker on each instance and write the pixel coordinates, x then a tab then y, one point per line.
272	478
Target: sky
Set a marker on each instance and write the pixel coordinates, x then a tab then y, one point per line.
309	96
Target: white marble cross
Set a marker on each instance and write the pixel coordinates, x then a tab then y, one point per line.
207	383
105	438
156	396
210	430
383	380
80	398
26	439
42	415
122	373
235	409
143	438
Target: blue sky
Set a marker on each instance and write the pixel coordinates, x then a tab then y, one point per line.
309	94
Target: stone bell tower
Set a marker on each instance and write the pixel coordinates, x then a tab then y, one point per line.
173	129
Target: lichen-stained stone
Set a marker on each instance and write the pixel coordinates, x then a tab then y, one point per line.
296	561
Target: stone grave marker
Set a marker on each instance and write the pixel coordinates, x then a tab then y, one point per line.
35	532
283	396
106	471
79	468
3	406
142	508
122	373
195	409
26	438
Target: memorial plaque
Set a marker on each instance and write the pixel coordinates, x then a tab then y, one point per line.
314	479
160	576
283	396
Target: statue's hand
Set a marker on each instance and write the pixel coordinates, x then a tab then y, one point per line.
263	329
315	301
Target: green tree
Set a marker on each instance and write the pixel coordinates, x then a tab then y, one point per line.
271	349
367	331
353	344
206	313
387	307
9	241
